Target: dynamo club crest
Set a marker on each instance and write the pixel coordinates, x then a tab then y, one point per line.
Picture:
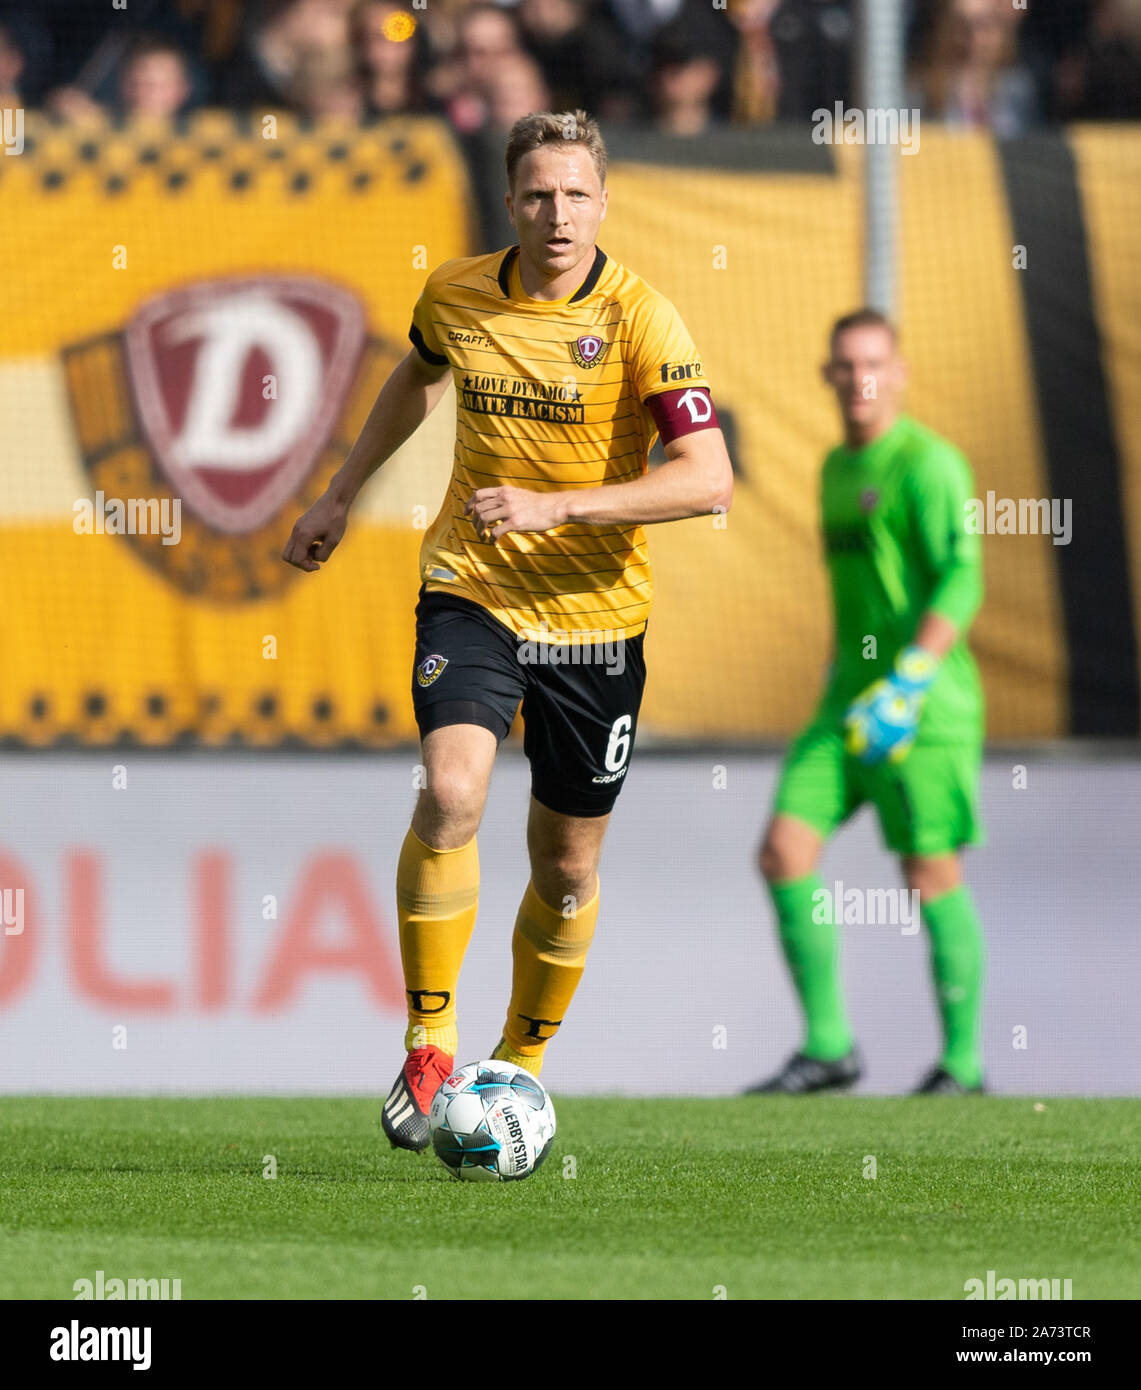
589	350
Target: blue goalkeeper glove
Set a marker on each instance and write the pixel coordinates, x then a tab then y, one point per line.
881	723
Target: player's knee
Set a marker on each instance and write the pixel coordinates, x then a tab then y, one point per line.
784	856
931	878
564	873
768	860
451	804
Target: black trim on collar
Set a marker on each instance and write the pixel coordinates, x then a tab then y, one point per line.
583	290
505	270
592	279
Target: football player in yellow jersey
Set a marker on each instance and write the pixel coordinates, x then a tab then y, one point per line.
535	576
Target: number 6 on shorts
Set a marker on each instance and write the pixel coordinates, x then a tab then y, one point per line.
618	746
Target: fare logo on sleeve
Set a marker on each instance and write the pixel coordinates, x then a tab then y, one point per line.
681	371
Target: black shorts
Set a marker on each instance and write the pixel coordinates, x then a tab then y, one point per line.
580	713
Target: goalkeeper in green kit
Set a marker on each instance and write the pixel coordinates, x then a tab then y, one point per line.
900	724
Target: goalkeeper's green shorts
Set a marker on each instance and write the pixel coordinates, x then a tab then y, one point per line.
928	804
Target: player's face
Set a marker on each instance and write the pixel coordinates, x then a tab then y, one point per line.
555	207
867	375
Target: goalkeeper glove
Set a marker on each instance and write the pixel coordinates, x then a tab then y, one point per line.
882	722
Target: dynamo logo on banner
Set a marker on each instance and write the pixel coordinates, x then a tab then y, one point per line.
225	394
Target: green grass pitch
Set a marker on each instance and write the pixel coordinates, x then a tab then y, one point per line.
760	1198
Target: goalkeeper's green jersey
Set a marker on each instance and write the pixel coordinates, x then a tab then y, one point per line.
897	544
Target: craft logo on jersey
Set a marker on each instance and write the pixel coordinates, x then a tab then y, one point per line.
868	499
430	668
223	393
589	350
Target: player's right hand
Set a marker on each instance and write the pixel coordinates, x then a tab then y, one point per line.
316	534
882	722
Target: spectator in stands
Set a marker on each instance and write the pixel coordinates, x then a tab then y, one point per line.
641	19
1100	79
487	38
968	75
439	23
388	42
794	57
327	84
756	78
555	33
683	80
154	81
584	60
280	36
517	89
11	69
639	23
87	41
72	103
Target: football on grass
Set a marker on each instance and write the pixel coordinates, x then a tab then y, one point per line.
491	1122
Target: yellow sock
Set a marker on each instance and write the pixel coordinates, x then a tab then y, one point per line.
503	1053
549	954
437	891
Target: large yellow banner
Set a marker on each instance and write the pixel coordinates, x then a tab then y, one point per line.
760	266
196	325
197	322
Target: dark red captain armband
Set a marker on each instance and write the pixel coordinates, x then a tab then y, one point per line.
681	412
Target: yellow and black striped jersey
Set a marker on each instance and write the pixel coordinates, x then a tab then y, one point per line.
553	395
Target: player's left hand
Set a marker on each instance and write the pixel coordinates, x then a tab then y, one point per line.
881	723
497	510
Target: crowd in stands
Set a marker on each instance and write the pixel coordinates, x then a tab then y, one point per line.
684	66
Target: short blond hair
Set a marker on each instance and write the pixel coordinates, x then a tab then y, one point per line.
550	128
864	318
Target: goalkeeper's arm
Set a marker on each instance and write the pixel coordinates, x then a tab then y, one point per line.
884	720
936	634
406	400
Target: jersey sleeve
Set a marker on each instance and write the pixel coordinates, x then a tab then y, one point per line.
667	372
940	488
422	333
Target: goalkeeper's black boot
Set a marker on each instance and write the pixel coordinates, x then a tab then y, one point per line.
802	1075
938	1082
405	1112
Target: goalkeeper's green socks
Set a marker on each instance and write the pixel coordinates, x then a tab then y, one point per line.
957	966
812	949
